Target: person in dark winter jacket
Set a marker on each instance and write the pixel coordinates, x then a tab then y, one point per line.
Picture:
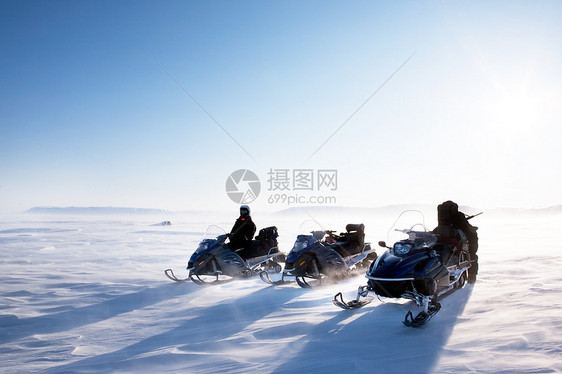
242	232
449	218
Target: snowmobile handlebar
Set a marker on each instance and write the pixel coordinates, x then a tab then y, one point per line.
408	231
320	232
331	234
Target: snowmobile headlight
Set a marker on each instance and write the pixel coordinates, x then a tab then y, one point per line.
202	247
402	248
299	246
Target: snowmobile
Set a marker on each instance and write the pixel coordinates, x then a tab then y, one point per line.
323	254
424	268
215	262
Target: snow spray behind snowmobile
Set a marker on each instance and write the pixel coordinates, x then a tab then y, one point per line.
424	268
323	254
214	262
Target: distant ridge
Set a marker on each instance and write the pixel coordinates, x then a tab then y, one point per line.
554	209
105	210
94	210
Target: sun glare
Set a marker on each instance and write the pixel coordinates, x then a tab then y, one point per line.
518	112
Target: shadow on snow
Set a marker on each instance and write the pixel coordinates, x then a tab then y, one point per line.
198	340
375	340
13	328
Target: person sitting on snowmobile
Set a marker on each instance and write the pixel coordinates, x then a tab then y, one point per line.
449	218
242	232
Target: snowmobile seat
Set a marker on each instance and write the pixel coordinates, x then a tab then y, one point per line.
352	227
267	233
444	232
352	241
264	241
355	235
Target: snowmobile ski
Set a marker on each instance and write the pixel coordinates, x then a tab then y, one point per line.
196	278
309	281
423	317
264	275
170	274
350	305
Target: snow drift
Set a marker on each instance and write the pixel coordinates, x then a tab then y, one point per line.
87	294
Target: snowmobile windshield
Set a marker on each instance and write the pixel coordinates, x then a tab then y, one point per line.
319	234
213	231
302	244
408	220
213	236
208	244
424	239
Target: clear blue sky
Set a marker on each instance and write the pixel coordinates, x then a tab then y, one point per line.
88	117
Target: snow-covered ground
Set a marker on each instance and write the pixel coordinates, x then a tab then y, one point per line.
87	294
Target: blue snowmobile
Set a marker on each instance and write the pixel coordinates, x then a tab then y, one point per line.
424	267
214	262
324	255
